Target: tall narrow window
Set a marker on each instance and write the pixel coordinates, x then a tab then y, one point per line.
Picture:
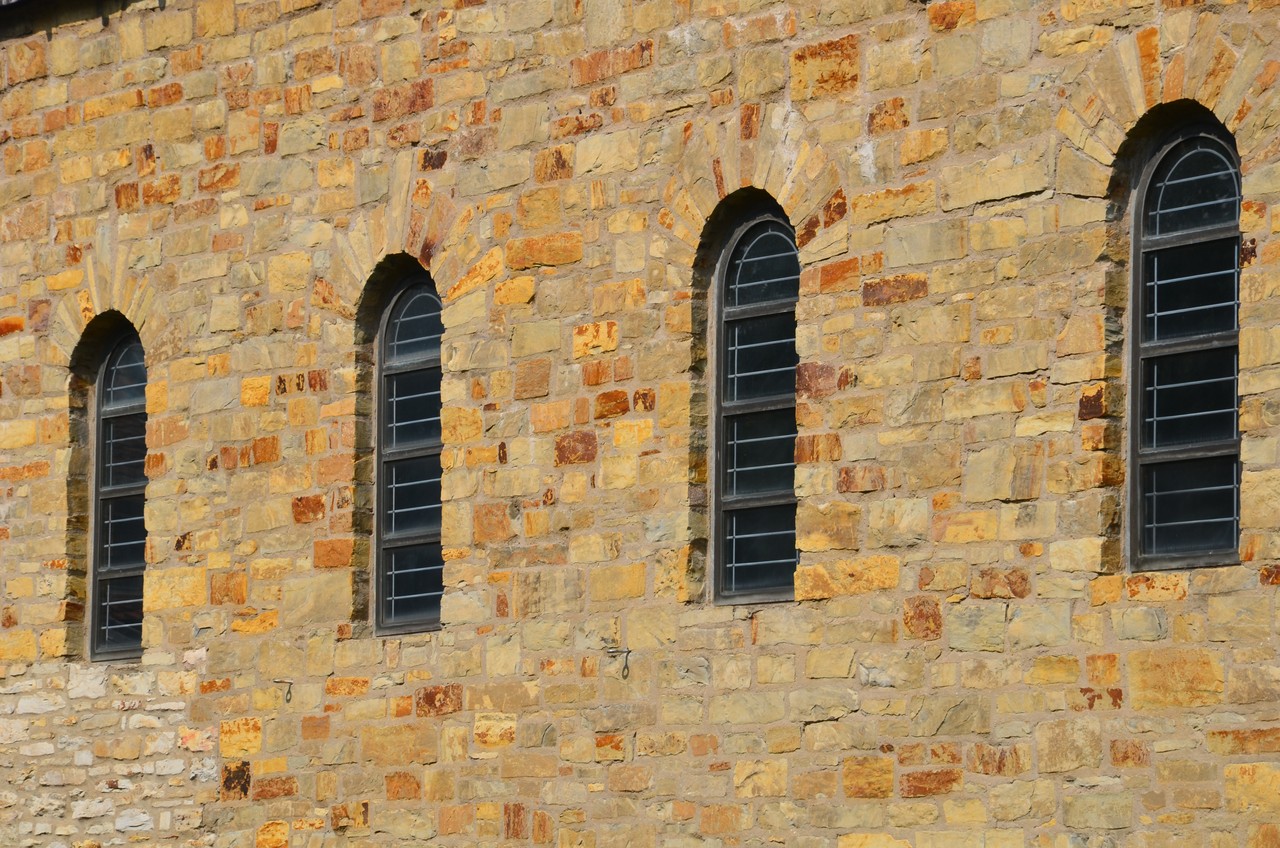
120	534
755	502
410	563
1185	478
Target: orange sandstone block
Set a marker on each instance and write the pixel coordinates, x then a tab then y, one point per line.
1175	677
868	777
240	737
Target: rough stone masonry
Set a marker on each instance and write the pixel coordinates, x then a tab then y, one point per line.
970	661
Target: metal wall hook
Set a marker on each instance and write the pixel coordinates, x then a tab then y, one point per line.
288	692
625	653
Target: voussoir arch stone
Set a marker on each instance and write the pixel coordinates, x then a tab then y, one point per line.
1152	66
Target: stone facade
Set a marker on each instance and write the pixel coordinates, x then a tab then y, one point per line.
970	661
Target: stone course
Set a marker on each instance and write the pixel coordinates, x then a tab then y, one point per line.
969	662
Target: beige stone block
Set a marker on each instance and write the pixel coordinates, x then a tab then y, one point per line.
762	72
1078	555
760	778
1018	172
829	526
1144	624
870	840
608	153
17	434
1046	624
1099	811
1068	744
976	626
925	243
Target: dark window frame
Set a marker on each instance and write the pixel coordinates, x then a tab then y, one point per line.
724	409
103	575
384	456
1143	350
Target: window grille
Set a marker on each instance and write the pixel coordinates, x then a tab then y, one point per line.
410	564
120	533
755	503
1186	479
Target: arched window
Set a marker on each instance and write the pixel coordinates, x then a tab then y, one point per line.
757	284
1185	474
409	560
120	482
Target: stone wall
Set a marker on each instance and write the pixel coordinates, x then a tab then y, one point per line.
970	661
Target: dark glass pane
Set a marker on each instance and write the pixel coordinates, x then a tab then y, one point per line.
122	534
1190	290
124	450
760	357
759	548
759	453
1190	506
1189	398
412	583
414	329
1196	186
411	496
125	377
411	408
764	266
120	613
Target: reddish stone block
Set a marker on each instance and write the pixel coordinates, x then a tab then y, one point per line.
576	448
610	63
438	700
948	15
920	784
333	553
922	617
1001	583
1002	760
888	116
228	588
402	786
555	163
492	523
1126	753
400	100
816	380
219	178
899	289
612	403
275	787
308	508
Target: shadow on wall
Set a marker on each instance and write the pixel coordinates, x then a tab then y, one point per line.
20	18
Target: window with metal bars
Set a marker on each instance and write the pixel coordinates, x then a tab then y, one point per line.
1185	474
410	564
120	482
757	285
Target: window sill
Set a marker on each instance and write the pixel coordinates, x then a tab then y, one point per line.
1181	562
